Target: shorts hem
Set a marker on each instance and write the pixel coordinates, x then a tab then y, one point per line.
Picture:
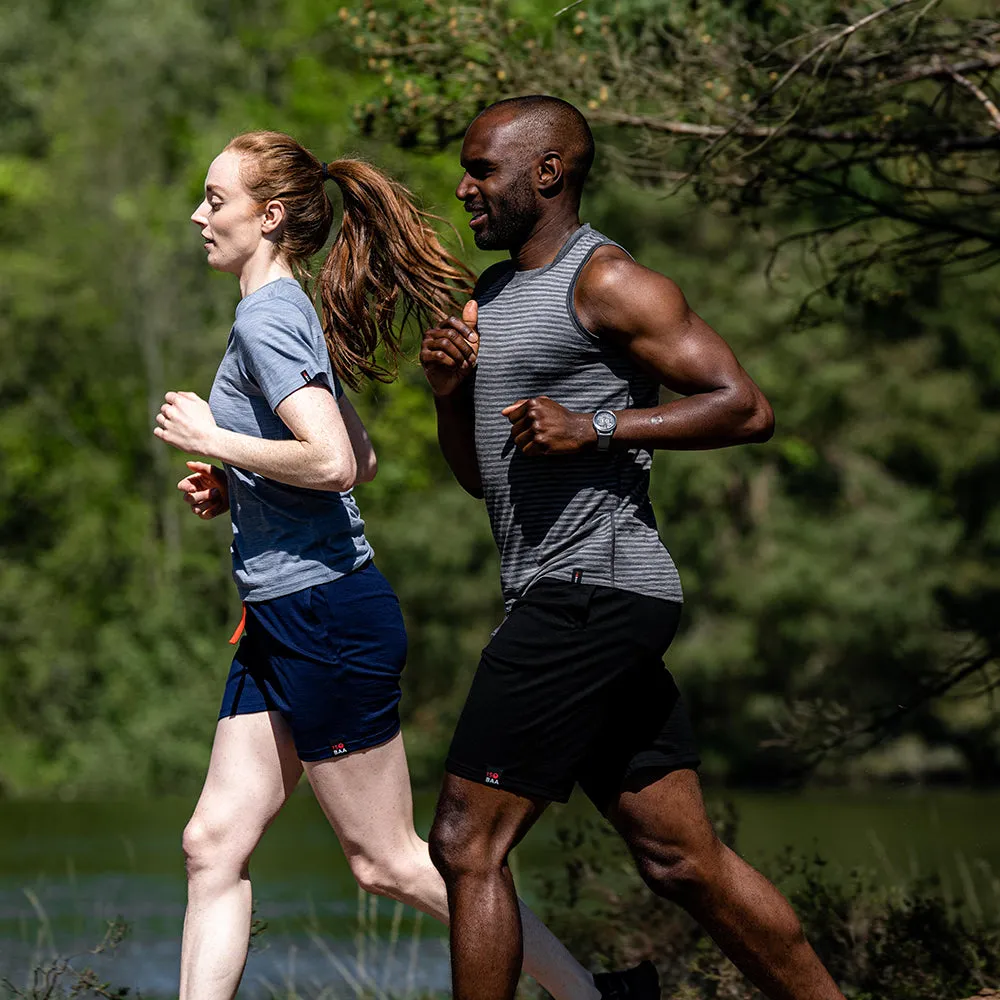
349	746
517	787
665	765
248	711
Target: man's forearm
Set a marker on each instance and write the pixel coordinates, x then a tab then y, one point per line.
706	420
457	438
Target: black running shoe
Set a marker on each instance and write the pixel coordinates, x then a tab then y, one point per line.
640	983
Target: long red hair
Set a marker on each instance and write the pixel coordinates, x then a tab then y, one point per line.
386	257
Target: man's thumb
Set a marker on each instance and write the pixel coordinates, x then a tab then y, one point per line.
471	312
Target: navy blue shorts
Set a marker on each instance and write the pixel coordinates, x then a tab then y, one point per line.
328	658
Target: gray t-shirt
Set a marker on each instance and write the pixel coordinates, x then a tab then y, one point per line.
285	538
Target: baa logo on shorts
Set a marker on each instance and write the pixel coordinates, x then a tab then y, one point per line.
338	749
493	778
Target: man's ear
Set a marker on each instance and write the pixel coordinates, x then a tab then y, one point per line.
274	216
551	174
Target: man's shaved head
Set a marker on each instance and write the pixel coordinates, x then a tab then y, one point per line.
540	124
525	158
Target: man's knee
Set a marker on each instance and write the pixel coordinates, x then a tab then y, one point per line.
458	848
680	872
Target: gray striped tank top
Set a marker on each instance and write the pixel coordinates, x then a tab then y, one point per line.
553	515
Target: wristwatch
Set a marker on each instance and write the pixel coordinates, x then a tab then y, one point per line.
605	423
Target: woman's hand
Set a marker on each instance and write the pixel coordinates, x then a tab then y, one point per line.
205	490
186	422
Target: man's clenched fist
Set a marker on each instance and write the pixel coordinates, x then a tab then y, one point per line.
448	352
541	426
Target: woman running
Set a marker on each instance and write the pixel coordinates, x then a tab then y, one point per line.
314	683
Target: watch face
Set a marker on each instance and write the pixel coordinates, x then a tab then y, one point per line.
604	420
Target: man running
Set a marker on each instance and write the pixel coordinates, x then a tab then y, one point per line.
547	397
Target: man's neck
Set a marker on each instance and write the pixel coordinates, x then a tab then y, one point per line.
545	241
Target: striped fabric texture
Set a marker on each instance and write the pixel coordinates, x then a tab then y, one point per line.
555	515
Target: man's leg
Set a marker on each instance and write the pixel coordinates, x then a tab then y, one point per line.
366	797
680	858
475	829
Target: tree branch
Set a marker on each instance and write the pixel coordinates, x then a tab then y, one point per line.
905	143
978	93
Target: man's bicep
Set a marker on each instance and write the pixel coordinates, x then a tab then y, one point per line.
686	357
662	333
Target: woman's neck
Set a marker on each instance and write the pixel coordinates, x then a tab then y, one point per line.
260	270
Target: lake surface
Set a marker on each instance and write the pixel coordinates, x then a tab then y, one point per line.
68	868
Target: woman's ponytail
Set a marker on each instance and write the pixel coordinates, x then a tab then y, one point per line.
385	257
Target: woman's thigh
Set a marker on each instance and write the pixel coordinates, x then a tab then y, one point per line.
367	799
252	771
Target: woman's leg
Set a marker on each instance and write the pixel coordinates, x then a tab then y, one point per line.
253	770
366	797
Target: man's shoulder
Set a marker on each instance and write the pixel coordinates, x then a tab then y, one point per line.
493	279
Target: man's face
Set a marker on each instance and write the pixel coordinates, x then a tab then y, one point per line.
498	187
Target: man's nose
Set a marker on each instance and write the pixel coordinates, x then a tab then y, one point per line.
465	188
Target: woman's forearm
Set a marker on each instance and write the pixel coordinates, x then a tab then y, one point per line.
296	463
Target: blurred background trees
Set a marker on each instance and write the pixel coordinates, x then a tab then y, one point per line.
820	178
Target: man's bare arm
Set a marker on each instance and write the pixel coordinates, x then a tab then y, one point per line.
448	356
647	315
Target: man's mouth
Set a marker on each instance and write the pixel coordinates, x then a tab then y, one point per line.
478	216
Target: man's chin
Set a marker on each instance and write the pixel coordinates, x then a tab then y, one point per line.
487	241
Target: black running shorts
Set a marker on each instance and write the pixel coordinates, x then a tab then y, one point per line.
570	688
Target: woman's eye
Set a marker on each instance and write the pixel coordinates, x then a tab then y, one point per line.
215	205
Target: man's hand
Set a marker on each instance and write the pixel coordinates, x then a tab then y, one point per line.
541	426
448	352
186	422
205	490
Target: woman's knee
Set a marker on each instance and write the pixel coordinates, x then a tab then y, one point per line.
211	845
394	877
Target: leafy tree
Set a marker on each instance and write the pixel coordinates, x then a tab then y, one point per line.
877	122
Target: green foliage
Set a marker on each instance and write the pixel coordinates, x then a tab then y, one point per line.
875	127
846	562
898	944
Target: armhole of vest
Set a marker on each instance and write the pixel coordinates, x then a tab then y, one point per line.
571	292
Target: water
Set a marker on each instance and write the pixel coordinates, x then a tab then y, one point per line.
68	868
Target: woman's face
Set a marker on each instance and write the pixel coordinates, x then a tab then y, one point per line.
229	220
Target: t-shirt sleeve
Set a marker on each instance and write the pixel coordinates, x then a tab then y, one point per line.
280	352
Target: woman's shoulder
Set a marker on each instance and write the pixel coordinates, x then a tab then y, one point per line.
278	305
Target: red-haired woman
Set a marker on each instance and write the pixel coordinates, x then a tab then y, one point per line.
314	683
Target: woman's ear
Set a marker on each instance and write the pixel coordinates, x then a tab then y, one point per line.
274	216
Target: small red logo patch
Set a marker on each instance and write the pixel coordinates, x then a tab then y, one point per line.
492	777
305	376
338	749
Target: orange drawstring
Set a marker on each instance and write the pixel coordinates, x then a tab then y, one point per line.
235	637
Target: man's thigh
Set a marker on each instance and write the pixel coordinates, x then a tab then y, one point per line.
664	819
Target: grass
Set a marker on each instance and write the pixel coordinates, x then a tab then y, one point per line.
917	940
